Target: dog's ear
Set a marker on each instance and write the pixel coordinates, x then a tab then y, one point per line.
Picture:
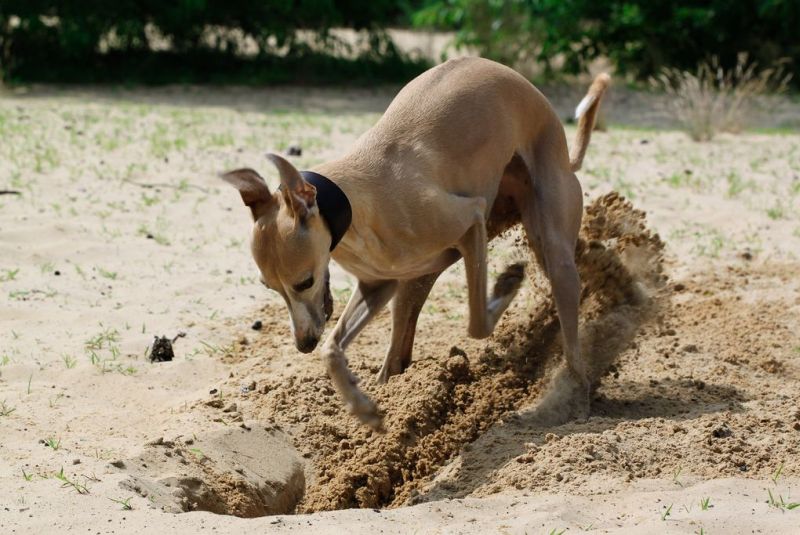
299	194
252	188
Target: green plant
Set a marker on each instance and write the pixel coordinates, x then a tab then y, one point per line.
780	503
26	476
107	274
676	475
53	443
776	212
6	410
705	503
777	473
66	482
666	512
105	338
9	275
126	503
735	184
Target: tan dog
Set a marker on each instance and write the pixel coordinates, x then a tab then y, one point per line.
465	150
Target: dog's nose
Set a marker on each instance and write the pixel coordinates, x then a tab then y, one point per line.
307	344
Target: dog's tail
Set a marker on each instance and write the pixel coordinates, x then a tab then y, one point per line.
585	113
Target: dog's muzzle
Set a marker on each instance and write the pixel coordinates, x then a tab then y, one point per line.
307	344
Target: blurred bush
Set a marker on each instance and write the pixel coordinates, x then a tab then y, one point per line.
197	40
640	36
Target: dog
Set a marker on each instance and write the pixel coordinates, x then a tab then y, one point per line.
466	150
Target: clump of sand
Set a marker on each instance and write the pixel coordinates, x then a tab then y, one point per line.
224	472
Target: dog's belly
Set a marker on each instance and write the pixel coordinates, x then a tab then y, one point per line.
513	193
366	270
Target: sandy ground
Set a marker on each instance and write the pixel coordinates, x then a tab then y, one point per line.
122	233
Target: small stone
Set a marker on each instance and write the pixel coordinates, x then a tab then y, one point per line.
722	431
57	273
230	408
76	461
117	464
257	325
294	150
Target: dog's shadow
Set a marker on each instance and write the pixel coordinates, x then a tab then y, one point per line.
671	399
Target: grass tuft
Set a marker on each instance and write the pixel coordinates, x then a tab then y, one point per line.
712	100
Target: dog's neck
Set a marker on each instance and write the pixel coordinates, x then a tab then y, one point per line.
333	204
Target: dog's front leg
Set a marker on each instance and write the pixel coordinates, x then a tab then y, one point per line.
407	304
483	316
366	301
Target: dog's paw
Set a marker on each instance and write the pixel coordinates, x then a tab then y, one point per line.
368	413
509	280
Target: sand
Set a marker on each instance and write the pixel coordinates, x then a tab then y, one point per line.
122	233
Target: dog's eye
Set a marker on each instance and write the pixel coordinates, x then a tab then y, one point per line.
305	285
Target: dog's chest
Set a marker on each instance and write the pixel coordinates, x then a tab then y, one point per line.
369	257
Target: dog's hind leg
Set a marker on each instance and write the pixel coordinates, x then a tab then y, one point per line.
484	312
551	215
365	302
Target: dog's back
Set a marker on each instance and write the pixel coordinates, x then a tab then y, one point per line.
460	123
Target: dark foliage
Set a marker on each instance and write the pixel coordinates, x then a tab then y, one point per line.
639	36
202	41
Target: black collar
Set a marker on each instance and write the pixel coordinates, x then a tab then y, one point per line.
333	205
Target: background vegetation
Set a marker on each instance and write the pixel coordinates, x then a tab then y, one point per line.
198	41
639	36
290	40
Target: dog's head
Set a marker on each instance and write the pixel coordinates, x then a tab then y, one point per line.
291	246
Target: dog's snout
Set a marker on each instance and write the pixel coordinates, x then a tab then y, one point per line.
307	344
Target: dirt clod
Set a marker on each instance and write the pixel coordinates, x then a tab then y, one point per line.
161	350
